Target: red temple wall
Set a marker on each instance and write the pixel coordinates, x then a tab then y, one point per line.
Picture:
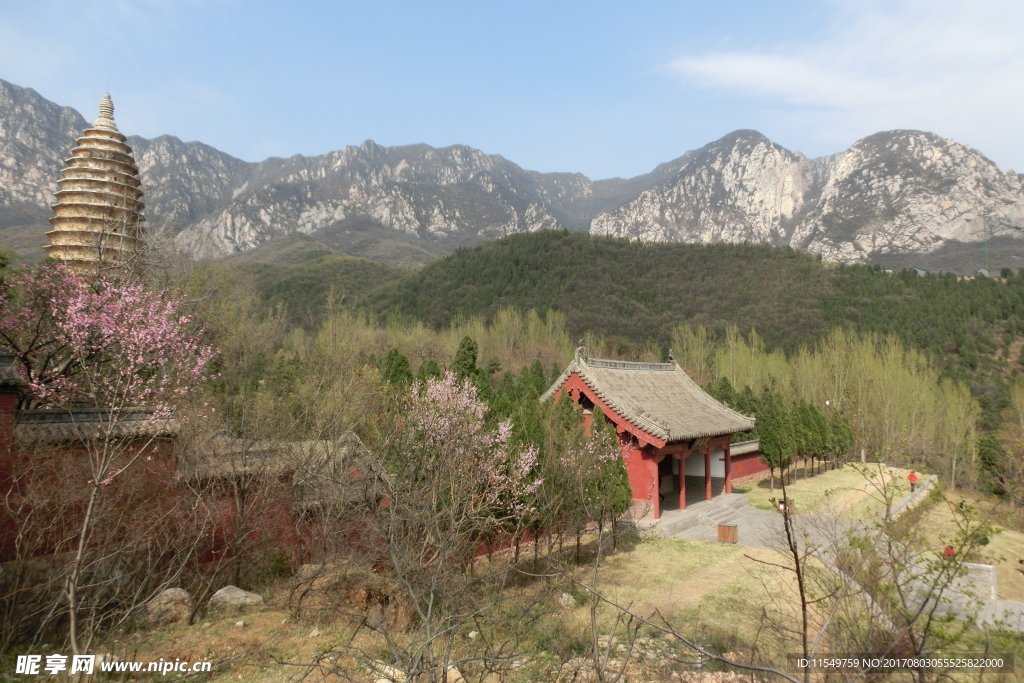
746	465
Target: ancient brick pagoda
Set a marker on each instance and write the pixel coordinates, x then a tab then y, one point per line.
676	438
98	221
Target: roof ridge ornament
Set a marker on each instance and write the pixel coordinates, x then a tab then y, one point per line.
105	120
581	352
672	357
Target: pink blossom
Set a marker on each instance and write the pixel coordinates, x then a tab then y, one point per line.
92	342
447	416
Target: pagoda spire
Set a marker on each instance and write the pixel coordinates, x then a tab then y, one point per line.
98	215
105	120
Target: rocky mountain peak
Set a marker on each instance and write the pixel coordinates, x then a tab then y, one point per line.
900	191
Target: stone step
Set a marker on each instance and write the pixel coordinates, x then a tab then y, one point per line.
721	513
730	519
723	507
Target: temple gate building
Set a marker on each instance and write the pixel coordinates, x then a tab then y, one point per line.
98	221
675	438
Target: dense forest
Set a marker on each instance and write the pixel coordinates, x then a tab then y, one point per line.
613	287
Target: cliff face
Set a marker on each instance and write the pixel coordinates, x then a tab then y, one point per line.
36	136
450	196
894	192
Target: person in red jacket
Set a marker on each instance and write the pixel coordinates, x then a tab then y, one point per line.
912	478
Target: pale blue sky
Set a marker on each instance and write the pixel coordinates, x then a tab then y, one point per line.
604	88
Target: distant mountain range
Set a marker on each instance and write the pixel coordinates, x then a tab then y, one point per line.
897	198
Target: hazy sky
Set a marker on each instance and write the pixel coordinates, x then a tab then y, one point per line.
607	89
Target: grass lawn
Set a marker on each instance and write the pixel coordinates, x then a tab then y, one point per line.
1005	548
852	491
713	590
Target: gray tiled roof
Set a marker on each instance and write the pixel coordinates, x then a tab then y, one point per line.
223	455
78	424
319	471
744	447
659	398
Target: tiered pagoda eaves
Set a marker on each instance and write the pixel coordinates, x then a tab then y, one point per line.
98	221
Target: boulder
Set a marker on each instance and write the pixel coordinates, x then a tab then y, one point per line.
171	606
566	601
308	572
233	596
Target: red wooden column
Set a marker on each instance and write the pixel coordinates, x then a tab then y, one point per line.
588	421
728	467
652	465
682	479
707	472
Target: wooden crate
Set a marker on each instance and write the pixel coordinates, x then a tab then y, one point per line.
728	533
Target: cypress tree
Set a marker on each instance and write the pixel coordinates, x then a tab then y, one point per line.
395	369
464	365
428	370
776	433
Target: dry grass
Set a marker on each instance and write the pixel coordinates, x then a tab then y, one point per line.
699	587
702	588
851	491
1005	548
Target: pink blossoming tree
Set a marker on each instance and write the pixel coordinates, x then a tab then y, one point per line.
444	480
115	359
86	342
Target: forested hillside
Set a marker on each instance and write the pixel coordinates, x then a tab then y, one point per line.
304	277
633	294
615	287
639	292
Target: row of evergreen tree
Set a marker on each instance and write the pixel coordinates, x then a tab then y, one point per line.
789	431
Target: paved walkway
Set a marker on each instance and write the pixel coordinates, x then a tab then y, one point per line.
755	528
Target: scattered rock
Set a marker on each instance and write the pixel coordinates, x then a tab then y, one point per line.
578	669
314	633
387	674
566	601
233	596
473	635
239	624
207	625
309	571
171	606
321	577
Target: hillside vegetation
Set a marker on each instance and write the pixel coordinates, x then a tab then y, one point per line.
633	295
638	292
614	287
